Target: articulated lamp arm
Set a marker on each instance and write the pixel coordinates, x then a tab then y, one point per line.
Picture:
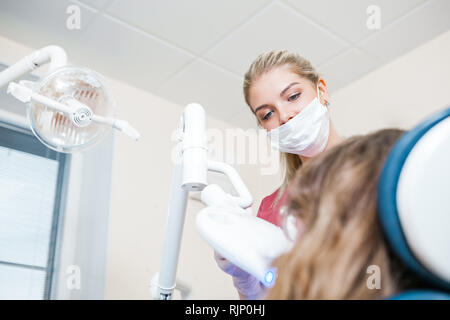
54	55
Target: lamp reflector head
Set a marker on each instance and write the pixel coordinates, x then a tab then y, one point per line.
70	86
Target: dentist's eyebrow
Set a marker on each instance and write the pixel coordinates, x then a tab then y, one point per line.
287	88
260	107
281	94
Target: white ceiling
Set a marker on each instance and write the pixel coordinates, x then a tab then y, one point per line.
199	50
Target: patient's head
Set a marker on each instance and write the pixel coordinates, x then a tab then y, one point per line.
335	196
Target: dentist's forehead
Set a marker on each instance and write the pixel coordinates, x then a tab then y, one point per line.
271	84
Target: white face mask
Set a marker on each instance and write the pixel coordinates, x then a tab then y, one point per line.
306	134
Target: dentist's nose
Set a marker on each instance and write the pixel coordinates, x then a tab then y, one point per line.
285	117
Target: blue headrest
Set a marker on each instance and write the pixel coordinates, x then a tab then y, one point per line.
421	295
388	205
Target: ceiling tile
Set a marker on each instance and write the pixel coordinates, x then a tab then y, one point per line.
418	27
218	91
345	68
40	23
127	55
97	4
274	29
194	25
348	18
103	45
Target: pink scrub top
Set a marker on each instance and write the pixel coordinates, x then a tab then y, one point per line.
272	213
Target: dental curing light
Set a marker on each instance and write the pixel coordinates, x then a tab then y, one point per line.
226	223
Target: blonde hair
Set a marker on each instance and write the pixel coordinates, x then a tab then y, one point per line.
297	64
335	196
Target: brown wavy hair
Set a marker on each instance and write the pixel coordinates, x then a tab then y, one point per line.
335	196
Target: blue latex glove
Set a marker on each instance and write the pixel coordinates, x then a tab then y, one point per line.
247	285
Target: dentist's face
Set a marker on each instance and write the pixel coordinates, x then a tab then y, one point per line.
279	95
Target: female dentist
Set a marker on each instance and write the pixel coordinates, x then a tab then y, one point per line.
289	100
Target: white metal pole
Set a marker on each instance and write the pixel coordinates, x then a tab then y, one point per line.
194	148
173	234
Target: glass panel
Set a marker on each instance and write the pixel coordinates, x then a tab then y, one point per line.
21	283
27	195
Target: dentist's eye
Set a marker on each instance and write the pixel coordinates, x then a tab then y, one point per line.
267	116
294	97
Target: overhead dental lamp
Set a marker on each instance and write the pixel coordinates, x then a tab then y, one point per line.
226	223
69	109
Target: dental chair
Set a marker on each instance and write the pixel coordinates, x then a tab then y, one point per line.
414	205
